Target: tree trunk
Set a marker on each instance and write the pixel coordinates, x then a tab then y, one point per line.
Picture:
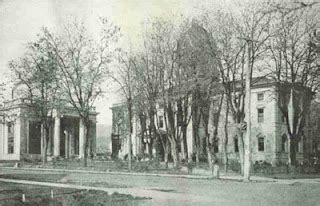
44	138
241	151
130	113
185	128
174	153
196	141
184	147
143	129
166	155
130	151
197	157
86	142
209	151
247	142
225	142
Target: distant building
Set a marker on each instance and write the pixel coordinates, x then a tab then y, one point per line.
20	132
269	131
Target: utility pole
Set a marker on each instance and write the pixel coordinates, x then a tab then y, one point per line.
247	140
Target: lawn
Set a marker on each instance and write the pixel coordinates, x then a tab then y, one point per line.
11	194
184	191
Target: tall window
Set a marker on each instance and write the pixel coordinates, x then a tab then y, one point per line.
260	144
161	122
260	96
10	138
283	142
34	137
260	115
236	146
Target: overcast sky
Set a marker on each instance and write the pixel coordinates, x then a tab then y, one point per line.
21	20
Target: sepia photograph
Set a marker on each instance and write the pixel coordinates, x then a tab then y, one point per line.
159	102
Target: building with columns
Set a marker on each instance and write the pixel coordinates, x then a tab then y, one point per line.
20	132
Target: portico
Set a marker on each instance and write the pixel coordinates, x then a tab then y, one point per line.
20	133
69	136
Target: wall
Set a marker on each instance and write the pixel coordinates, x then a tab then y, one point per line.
266	129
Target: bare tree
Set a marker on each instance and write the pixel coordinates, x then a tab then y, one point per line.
37	70
83	65
241	40
294	66
164	49
124	77
202	78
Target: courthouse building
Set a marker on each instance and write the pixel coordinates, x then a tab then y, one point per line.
20	132
269	131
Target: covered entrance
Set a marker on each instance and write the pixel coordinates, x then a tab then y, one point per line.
69	137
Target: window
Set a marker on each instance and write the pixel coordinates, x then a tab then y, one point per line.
10	128
10	138
260	96
260	115
161	121
260	144
34	137
283	142
236	146
283	119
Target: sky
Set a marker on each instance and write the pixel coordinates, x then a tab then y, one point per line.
22	20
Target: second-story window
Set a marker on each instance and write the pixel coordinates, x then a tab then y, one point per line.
260	115
260	96
161	121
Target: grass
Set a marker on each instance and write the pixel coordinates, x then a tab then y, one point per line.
119	166
56	178
294	176
11	194
155	167
35	177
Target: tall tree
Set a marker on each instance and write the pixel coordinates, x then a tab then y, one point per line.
83	65
294	65
164	49
202	77
37	70
124	77
241	40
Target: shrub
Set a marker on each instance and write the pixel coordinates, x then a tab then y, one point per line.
234	165
262	167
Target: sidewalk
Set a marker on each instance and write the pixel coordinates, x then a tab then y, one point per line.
233	176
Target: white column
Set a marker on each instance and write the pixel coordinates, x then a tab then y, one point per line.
17	136
56	136
5	138
71	146
81	139
66	144
2	139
